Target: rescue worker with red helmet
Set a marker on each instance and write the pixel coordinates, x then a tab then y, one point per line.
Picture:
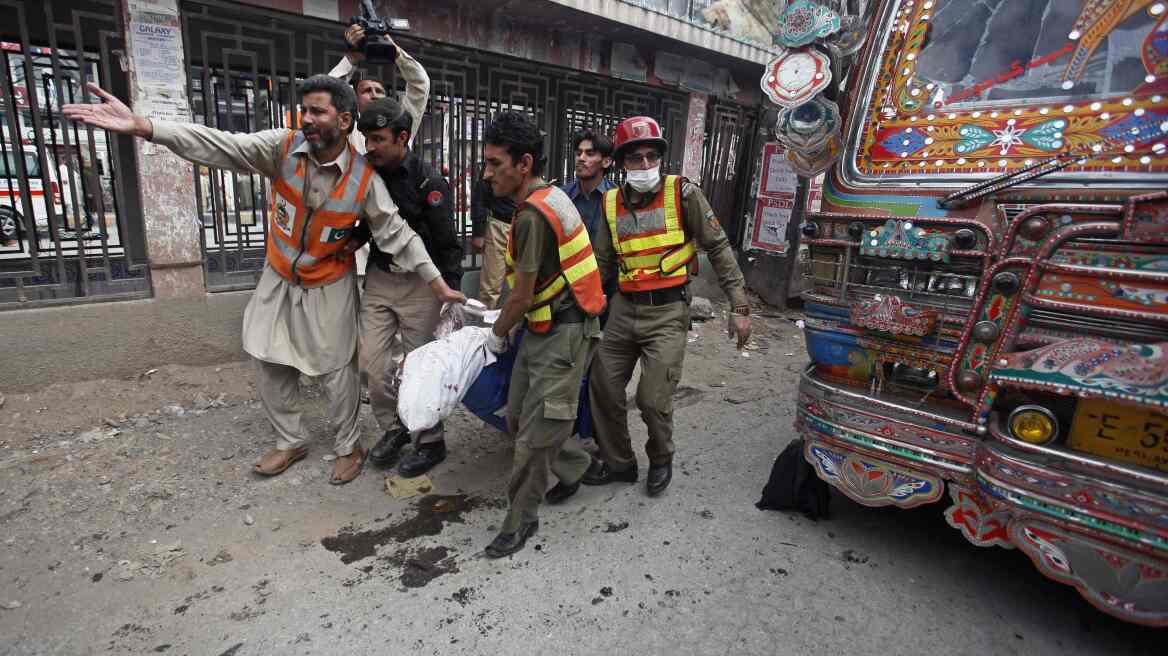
653	228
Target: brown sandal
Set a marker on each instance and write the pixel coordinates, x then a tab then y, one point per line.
277	461
346	468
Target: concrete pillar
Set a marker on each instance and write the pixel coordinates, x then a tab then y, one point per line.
165	182
695	137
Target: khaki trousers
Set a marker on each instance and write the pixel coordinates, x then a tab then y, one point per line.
494	263
398	314
541	410
279	390
655	335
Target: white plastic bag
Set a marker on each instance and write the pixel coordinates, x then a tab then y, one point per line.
437	375
456	316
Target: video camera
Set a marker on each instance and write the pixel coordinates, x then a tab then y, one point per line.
377	45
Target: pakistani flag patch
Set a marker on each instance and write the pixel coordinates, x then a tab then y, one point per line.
333	235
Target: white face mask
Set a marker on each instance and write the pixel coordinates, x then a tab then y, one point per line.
644	181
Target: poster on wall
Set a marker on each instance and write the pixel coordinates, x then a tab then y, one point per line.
777	186
778	178
157	47
768	231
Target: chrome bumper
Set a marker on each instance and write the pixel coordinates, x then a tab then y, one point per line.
1099	526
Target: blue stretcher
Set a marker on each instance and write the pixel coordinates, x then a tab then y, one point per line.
488	394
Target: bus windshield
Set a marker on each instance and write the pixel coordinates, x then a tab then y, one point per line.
962	89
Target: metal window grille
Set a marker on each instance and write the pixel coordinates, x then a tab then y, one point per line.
69	231
243	68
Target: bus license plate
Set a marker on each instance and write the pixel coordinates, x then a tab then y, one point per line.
1120	432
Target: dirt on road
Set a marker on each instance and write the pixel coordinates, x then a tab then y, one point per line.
130	522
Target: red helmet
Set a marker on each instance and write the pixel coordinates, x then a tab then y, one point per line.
635	131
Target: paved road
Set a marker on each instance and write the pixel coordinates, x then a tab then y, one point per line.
140	542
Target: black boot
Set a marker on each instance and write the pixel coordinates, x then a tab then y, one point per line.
506	544
389	447
422	459
561	492
659	478
599	473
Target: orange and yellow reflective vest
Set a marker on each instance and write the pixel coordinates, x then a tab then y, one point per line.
577	263
304	243
651	243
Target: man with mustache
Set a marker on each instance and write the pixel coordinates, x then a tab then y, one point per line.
593	153
398	313
302	317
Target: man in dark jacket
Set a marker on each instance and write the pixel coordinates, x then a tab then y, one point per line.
396	315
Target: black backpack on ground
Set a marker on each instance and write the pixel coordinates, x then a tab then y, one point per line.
793	485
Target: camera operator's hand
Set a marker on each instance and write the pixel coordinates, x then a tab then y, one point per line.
353	36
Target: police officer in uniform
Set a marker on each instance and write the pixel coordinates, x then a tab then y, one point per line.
653	227
555	287
398	313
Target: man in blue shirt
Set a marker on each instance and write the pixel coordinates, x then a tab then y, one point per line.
593	159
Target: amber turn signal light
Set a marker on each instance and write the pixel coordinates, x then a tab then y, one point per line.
1033	424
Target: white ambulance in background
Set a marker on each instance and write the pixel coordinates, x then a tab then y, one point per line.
43	187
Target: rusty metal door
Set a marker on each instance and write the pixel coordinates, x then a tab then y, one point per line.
729	155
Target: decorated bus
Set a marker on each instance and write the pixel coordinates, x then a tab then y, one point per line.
987	285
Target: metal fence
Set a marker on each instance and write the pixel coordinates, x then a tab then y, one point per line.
244	63
68	230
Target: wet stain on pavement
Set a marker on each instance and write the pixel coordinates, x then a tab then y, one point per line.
464	596
422	566
432	513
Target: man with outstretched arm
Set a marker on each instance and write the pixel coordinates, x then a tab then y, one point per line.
302	317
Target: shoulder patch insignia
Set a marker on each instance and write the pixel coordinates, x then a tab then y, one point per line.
434	198
713	223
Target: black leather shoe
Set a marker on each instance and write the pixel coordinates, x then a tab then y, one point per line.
422	459
599	473
561	491
659	478
389	447
506	544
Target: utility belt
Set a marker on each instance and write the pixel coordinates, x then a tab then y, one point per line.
658	296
